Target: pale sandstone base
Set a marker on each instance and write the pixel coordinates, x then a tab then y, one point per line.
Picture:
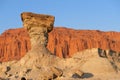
85	65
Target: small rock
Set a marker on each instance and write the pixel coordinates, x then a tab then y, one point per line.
78	74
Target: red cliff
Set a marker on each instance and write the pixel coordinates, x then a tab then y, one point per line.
63	42
14	43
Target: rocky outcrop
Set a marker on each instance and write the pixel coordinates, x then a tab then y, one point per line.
14	43
89	64
105	63
38	27
112	56
92	65
63	42
38	62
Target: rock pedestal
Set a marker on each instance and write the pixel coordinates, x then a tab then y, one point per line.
38	27
38	62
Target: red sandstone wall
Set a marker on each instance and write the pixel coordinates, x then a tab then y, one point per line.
63	42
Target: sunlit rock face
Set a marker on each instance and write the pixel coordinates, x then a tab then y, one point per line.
38	27
63	42
38	62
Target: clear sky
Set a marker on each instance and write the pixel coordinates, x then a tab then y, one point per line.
78	14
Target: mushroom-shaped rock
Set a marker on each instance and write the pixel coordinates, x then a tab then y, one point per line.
38	20
38	27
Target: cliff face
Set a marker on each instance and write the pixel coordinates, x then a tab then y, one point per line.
63	42
14	43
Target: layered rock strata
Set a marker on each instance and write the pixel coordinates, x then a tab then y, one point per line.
38	27
40	64
63	42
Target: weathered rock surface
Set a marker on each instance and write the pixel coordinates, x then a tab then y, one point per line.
93	65
40	64
87	64
14	44
63	42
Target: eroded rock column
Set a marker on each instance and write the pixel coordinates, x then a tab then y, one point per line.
38	27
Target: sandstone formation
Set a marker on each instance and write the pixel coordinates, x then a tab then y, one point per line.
40	64
96	64
14	44
99	64
89	64
38	27
63	42
38	61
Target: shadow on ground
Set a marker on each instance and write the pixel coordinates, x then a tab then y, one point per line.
87	75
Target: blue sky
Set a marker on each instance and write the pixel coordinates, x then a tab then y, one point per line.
78	14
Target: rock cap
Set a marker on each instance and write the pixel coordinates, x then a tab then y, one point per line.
40	20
